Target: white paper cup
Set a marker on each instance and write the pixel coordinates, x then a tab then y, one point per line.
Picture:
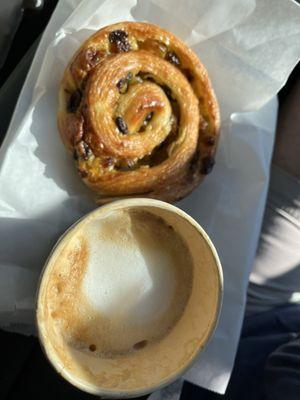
160	364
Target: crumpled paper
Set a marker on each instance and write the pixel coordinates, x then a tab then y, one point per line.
249	48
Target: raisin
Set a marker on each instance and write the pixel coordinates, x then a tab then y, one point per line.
210	141
92	57
207	165
82	173
174	126
74	101
92	347
195	161
188	74
120	35
122	85
123	46
145	76
88	151
85	110
83	150
168	92
108	162
140	345
146	120
203	123
84	82
138	79
172	58
149	117
77	129
119	39
130	162
122	126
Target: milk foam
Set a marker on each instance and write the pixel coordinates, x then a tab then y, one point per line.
124	280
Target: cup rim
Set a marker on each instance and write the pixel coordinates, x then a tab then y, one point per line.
119	205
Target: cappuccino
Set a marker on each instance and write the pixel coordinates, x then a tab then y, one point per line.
128	297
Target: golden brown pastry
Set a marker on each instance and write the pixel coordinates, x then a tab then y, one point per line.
137	110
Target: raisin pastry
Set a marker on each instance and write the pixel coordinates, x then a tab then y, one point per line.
138	113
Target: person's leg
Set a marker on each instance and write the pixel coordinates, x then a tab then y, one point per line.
262	334
275	280
282	372
287	145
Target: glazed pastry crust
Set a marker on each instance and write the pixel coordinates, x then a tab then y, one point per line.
138	113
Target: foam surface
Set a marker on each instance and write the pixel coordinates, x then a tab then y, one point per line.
130	275
121	284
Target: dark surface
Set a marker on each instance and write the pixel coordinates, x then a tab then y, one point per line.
32	25
24	371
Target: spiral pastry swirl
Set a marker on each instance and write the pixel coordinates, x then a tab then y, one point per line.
137	111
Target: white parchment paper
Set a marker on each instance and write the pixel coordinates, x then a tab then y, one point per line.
249	48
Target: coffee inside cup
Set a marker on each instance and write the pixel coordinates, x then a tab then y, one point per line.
113	299
121	285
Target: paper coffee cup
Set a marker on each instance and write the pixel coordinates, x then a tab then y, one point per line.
125	305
